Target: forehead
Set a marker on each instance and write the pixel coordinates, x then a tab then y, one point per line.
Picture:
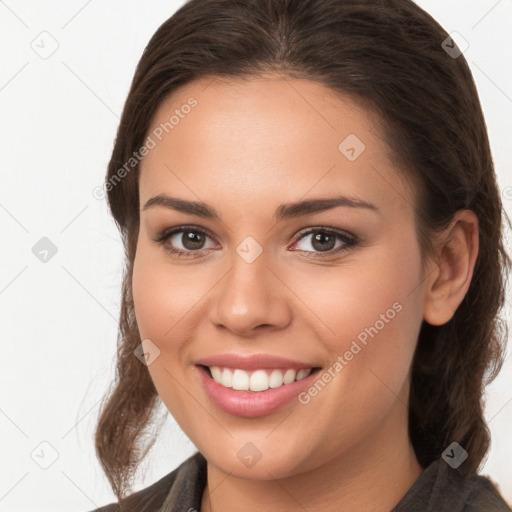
252	103
266	136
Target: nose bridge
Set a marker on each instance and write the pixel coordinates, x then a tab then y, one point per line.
250	295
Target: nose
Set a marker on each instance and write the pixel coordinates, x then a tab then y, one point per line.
251	297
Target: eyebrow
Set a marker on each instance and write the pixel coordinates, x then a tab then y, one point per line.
284	211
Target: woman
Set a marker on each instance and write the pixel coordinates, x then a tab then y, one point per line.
315	262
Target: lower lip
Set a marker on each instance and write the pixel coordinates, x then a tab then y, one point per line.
251	404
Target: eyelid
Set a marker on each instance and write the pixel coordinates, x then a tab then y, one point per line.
325	229
349	240
165	234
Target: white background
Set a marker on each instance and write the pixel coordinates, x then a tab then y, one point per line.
59	319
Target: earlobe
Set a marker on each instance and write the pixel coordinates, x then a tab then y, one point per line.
451	274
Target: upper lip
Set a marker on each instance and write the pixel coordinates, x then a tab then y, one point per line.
253	362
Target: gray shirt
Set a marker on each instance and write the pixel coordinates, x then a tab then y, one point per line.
438	489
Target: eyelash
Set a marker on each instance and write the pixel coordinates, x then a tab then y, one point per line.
350	241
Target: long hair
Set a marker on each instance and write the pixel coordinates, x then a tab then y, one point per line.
391	56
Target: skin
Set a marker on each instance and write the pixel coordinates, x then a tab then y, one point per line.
246	148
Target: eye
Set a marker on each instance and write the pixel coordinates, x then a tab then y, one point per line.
326	241
189	241
184	241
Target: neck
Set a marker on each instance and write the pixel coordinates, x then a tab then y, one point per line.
372	476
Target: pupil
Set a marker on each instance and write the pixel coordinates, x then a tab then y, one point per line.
192	240
319	241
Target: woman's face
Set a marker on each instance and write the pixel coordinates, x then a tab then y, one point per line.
265	279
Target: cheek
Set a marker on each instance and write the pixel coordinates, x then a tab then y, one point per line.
363	291
163	296
375	336
373	311
160	301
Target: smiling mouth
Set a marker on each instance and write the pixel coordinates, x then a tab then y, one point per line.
256	380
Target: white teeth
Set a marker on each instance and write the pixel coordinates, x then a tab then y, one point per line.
226	379
289	376
240	380
216	373
304	372
275	379
259	380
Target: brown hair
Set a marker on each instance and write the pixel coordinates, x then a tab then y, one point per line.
387	54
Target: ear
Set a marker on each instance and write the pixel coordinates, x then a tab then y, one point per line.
450	274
